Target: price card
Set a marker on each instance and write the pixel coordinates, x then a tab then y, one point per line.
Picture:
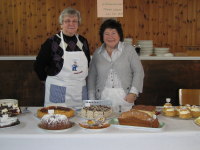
51	111
87	104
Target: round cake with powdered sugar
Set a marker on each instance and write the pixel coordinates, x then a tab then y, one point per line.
55	122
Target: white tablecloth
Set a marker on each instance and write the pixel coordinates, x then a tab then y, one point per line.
176	134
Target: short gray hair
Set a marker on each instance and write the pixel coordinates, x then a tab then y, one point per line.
69	12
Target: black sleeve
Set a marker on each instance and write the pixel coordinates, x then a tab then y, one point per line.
43	60
85	48
87	53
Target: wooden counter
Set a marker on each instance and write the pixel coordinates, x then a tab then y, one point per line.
163	77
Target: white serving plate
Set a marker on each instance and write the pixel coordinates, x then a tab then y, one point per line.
114	122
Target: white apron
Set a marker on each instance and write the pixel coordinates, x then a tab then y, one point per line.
68	87
116	95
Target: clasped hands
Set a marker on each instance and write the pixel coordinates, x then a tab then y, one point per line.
130	98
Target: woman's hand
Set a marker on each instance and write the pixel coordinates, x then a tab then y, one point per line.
130	98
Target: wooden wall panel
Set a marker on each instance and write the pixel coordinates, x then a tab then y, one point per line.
162	79
25	25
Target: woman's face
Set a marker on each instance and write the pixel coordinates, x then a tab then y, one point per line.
70	25
111	37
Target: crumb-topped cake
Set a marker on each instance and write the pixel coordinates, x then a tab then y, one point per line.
95	111
55	122
57	110
9	107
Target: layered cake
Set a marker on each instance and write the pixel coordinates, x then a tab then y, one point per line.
141	118
55	122
6	121
95	111
57	110
10	107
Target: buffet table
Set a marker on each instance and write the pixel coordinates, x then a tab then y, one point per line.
176	134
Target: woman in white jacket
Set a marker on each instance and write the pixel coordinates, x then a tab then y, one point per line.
115	72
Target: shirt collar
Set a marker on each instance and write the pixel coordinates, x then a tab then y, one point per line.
119	47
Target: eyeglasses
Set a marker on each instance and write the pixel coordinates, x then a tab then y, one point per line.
69	21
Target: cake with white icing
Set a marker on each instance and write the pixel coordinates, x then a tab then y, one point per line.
95	111
55	122
6	121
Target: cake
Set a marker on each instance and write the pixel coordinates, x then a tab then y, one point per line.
145	107
95	111
10	107
55	122
6	121
177	109
170	111
57	110
195	110
188	106
197	121
141	118
185	113
98	123
167	104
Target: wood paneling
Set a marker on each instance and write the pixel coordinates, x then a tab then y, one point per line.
19	81
26	24
162	79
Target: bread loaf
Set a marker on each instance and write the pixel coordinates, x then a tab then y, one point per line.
136	117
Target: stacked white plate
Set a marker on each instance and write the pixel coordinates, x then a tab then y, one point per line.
161	51
128	40
146	47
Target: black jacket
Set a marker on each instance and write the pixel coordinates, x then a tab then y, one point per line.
49	61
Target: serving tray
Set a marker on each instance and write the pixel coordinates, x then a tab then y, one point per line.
114	122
